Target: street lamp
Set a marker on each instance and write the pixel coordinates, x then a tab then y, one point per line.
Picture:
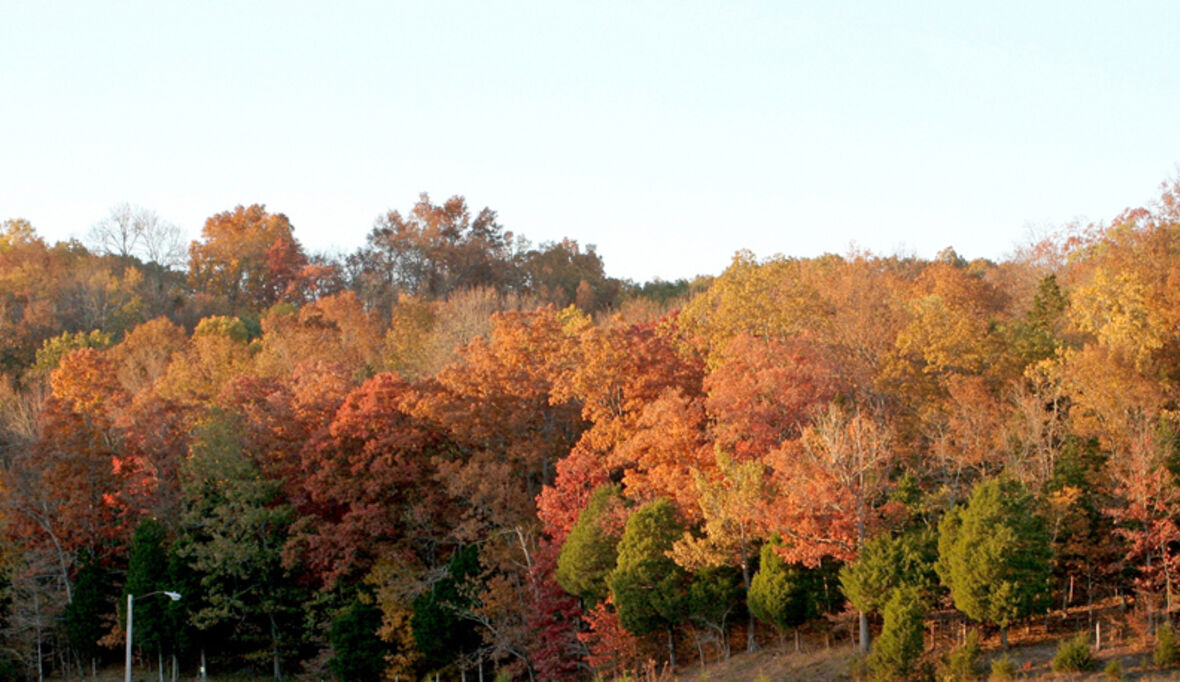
174	596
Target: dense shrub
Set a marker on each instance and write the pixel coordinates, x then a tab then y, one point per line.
1003	669
1074	655
898	651
1166	652
962	663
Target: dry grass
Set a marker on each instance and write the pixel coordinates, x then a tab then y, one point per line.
777	665
115	674
1033	646
1033	660
1032	650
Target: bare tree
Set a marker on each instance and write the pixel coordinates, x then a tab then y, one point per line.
35	607
136	231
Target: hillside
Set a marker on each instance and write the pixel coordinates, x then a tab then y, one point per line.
438	468
1033	657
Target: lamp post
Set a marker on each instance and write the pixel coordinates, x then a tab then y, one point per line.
174	596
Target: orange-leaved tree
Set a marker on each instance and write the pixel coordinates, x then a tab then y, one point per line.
828	486
247	258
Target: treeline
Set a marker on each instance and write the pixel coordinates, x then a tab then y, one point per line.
134	267
452	452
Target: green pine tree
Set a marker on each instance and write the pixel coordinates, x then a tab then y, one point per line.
779	594
589	553
147	573
1038	335
994	555
440	629
898	650
650	590
359	652
886	563
83	617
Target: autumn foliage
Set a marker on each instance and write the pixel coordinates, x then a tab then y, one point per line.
453	431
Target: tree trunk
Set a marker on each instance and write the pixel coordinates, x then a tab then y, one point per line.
1150	596
1090	597
1004	637
37	623
671	649
160	663
204	673
860	542
274	639
751	641
1167	584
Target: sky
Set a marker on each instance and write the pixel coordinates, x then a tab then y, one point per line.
668	134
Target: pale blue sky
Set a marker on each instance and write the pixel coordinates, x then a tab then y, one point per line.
670	134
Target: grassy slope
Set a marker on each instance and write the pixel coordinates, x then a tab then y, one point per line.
1033	647
1034	659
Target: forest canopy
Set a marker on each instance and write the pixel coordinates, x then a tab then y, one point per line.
453	450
